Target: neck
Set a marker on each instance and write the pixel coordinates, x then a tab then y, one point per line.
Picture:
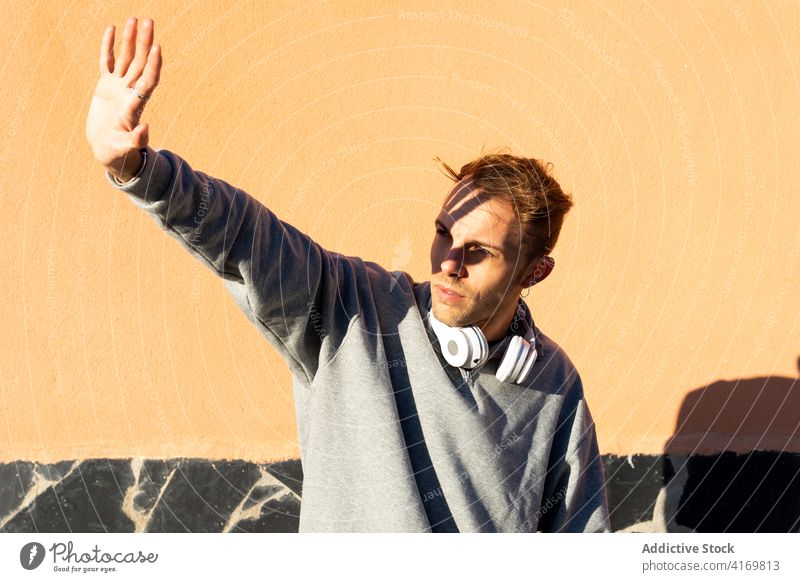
497	328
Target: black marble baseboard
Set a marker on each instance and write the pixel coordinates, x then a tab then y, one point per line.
141	495
756	492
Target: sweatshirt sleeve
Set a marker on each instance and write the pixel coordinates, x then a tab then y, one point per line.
300	296
575	498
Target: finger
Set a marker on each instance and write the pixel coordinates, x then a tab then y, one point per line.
126	51
152	72
144	40
107	51
140	136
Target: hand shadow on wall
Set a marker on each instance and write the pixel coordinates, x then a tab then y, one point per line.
732	464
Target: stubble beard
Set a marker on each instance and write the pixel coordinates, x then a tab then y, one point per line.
470	314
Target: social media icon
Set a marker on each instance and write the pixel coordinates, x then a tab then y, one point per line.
31	555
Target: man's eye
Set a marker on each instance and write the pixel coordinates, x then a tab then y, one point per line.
441	231
482	250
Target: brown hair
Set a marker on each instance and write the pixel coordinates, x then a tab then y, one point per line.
527	185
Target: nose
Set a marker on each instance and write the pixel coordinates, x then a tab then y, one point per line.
453	264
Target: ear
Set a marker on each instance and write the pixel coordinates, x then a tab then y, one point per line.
541	270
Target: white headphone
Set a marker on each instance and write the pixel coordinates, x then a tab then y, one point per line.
466	347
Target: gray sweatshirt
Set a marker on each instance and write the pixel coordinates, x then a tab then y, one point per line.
392	438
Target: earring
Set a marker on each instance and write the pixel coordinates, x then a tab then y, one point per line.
528	292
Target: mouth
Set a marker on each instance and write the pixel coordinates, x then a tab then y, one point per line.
447	293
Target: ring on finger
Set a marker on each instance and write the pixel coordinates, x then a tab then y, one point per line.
140	96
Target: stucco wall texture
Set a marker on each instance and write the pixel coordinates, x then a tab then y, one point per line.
673	124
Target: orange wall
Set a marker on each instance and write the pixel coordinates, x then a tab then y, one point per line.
674	125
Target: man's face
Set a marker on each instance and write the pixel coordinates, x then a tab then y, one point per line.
476	253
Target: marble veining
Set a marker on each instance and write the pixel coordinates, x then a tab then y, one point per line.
150	495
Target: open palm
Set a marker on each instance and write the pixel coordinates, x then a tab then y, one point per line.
112	125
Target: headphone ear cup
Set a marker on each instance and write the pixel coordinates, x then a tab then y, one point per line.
517	361
511	359
479	347
456	349
526	369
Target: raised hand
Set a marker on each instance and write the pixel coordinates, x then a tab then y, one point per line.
112	125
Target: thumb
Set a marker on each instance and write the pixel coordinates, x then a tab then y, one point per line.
140	135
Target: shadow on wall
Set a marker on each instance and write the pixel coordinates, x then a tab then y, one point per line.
732	464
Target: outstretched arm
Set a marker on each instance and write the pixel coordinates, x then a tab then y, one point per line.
300	296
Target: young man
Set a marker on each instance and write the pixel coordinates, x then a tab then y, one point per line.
421	406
